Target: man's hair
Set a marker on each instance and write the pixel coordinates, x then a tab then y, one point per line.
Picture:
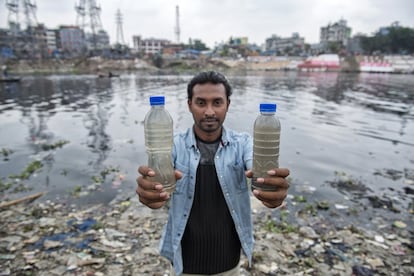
208	77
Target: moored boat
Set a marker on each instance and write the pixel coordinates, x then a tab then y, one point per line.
324	62
10	79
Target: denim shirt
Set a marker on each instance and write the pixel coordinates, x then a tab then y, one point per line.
232	159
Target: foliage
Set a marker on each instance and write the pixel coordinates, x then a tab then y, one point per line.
196	44
157	60
6	152
30	169
390	40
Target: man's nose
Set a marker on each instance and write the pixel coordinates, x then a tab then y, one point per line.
209	110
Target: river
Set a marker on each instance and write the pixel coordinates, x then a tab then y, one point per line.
87	132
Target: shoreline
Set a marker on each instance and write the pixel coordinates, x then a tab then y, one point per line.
98	65
121	238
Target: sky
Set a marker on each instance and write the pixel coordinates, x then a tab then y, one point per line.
215	21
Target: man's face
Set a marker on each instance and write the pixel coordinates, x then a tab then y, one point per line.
209	106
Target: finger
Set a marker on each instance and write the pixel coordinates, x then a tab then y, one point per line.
270	196
146	171
146	184
274	204
151	196
282	172
178	174
249	173
277	182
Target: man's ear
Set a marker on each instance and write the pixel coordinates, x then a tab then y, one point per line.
189	104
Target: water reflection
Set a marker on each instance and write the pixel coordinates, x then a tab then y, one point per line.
357	123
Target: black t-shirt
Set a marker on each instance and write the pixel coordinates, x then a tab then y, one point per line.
210	243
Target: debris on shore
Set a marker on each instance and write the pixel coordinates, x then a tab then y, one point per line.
121	238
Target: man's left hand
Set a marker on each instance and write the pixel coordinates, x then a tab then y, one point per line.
276	177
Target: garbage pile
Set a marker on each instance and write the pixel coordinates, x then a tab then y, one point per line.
121	238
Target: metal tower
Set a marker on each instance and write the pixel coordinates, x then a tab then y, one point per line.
29	11
177	24
119	31
88	18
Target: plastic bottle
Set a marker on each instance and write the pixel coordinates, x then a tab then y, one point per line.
266	139
158	128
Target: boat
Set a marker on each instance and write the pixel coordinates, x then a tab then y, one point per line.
324	62
109	75
376	67
10	79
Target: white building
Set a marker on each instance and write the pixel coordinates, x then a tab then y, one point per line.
51	40
337	32
149	45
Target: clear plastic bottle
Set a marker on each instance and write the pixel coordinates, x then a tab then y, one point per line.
266	140
158	128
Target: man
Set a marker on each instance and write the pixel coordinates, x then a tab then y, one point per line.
210	217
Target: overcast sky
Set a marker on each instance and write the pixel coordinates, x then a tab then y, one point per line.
215	21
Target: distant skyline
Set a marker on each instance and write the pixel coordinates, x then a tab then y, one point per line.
214	21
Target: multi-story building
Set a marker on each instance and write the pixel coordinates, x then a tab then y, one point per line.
99	41
149	45
289	45
337	32
51	40
72	41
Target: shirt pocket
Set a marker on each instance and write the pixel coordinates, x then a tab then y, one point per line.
185	179
238	176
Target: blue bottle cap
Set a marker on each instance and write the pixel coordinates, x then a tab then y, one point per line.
157	100
267	107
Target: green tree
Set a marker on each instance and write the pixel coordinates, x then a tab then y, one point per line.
390	40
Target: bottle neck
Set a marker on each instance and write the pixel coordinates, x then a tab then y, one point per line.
160	106
267	113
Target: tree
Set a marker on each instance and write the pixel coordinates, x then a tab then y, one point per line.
390	40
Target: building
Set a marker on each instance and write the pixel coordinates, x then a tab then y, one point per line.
98	41
51	40
293	45
236	41
149	45
71	41
338	33
354	45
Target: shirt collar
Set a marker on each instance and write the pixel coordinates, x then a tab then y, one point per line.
191	142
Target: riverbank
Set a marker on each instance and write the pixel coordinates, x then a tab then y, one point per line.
98	65
121	238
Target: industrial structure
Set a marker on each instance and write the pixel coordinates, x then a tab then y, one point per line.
89	21
24	34
177	25
119	30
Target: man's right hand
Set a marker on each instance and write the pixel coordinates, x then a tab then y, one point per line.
150	193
